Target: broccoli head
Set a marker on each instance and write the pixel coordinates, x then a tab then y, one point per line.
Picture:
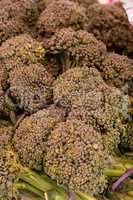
89	99
11	171
75	83
76	48
59	14
75	157
117	71
16	16
20	9
30	137
104	109
19	50
110	24
10	28
30	87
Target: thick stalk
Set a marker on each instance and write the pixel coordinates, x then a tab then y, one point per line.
35	180
43	184
124	160
113	172
29	188
85	196
119	168
130	193
127	198
28	196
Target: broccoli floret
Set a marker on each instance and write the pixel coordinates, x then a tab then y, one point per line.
104	109
89	99
30	137
16	16
10	28
19	9
19	50
30	87
75	157
11	171
59	14
76	48
110	24
117	71
74	83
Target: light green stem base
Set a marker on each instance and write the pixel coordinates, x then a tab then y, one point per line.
27	187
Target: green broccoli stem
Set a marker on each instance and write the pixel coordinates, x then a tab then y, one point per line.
29	188
124	160
118	196
120	166
40	183
35	180
45	184
130	193
114	172
85	196
29	196
80	194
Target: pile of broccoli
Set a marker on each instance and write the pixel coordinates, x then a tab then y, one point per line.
66	100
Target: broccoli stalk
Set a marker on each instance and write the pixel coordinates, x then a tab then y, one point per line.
119	196
33	181
75	151
12	171
23	186
122	164
39	184
43	183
